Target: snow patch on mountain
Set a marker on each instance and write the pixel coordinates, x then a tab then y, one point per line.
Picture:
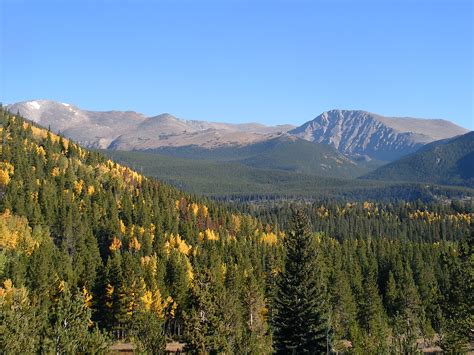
34	104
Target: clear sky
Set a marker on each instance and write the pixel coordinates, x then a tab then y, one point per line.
266	61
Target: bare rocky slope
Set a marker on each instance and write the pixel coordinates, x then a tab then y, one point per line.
128	130
364	134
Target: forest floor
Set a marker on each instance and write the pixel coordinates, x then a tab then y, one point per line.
175	347
129	348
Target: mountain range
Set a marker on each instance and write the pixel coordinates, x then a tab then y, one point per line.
129	130
357	134
337	143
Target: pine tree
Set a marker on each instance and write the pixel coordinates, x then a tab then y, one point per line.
213	323
300	318
458	319
69	326
372	317
19	321
148	330
255	339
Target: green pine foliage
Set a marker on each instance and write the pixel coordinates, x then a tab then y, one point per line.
300	304
93	252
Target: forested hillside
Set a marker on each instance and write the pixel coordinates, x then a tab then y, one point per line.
92	252
284	153
230	180
449	162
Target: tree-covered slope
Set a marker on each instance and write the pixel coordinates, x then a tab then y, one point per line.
124	249
283	153
298	155
449	162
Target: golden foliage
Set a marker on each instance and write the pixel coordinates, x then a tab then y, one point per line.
122	227
189	270
175	242
61	286
152	228
78	186
4	178
153	302
6	171
204	211
90	190
322	212
129	177
6	290
150	262
87	297
134	244
211	235
115	245
430	217
195	208
132	302
55	171
269	238
16	234
236	222
368	205
208	234
40	151
8	293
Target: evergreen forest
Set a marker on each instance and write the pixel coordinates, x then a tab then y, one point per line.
93	253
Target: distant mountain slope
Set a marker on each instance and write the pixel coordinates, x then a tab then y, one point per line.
298	155
284	153
442	162
168	131
234	181
89	128
128	130
360	133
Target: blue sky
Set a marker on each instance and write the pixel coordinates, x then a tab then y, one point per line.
266	61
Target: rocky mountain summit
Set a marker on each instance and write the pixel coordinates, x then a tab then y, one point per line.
365	134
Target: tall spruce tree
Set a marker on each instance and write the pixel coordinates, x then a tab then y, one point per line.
456	328
300	324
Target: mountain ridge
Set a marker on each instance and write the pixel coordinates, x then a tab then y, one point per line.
358	134
130	130
362	133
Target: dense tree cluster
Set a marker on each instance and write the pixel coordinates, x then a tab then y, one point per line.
91	251
414	221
